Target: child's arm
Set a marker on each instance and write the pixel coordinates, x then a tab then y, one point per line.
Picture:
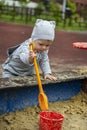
45	67
27	56
44	63
31	56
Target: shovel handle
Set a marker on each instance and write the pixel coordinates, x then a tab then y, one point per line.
36	69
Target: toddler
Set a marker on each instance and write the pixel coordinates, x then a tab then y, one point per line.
20	57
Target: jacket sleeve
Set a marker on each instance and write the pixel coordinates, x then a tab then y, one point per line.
25	59
24	55
44	63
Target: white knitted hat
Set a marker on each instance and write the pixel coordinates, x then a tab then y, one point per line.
44	30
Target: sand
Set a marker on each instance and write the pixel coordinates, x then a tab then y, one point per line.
74	112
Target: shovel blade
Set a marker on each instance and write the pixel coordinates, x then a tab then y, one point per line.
43	101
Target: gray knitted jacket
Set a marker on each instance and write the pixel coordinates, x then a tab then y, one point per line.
17	63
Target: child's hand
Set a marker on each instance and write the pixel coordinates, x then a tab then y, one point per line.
31	56
49	76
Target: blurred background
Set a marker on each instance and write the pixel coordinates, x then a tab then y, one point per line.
68	14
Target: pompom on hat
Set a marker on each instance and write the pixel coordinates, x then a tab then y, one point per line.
44	30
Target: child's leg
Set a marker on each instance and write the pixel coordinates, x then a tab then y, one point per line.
6	74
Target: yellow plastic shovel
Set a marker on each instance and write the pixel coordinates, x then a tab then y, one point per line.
43	101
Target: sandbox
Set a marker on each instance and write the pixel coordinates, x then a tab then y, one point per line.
18	93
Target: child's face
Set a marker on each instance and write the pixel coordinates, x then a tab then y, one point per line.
42	45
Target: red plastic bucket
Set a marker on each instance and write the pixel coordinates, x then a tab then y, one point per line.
50	121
